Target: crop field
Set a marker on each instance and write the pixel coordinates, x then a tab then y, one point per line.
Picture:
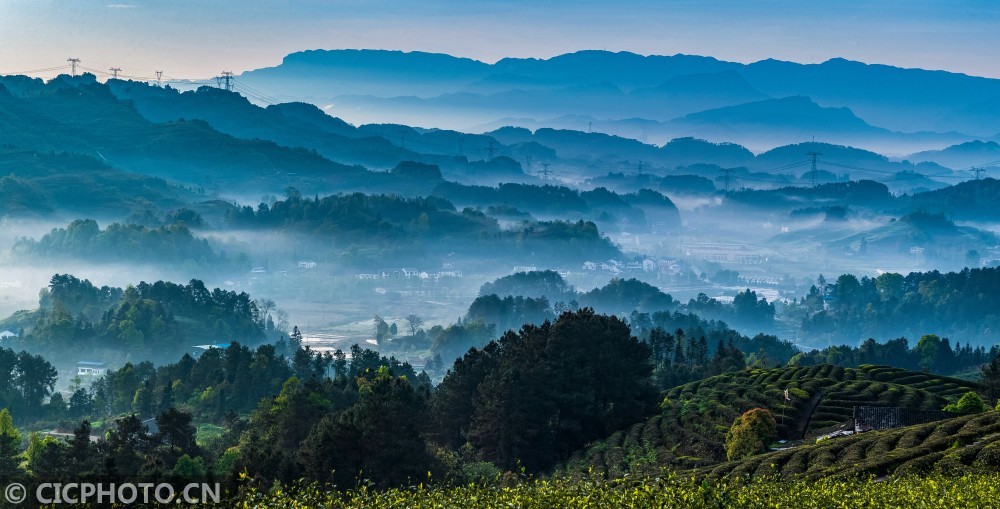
953	447
666	491
690	431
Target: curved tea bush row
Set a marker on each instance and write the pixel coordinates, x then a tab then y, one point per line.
690	431
968	444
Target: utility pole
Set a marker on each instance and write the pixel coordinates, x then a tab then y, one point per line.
978	172
114	72
812	173
73	63
159	78
227	78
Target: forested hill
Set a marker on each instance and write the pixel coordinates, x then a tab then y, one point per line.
690	431
79	115
157	321
376	228
959	305
36	183
84	240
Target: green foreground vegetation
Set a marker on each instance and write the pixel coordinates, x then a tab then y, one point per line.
669	491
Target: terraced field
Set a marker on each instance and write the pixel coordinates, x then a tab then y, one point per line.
690	431
968	444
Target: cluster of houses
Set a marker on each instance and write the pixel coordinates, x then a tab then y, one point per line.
723	253
661	265
91	370
761	280
406	273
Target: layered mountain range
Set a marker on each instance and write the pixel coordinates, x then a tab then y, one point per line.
653	98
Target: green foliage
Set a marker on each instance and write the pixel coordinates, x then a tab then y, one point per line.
28	380
452	341
377	438
960	305
989	375
39	182
380	228
508	313
963	444
666	490
714	331
189	468
10	445
84	240
542	283
569	381
626	295
691	431
750	434
969	403
156	320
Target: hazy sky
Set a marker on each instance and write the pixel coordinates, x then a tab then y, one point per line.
196	38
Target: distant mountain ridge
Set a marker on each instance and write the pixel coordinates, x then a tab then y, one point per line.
446	91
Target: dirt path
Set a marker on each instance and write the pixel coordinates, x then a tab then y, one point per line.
800	430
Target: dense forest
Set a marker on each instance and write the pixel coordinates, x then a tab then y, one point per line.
960	305
160	320
374	229
532	400
84	240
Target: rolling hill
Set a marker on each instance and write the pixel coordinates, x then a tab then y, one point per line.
953	447
690	430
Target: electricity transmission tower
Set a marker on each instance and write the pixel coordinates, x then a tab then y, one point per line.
727	177
812	173
225	81
159	78
73	62
114	72
545	172
978	172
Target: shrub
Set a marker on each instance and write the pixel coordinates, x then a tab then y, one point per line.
969	403
750	434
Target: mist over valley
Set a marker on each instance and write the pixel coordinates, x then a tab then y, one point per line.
364	269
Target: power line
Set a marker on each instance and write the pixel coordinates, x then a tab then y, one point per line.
35	71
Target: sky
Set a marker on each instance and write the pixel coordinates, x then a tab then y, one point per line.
200	38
